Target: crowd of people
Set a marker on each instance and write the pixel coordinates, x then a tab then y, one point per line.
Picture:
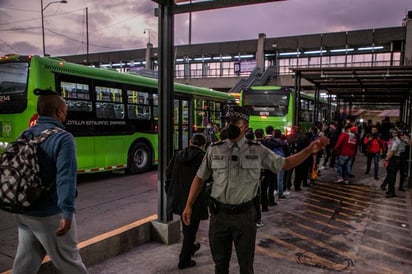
251	170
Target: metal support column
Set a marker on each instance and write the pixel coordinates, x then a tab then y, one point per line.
165	89
298	80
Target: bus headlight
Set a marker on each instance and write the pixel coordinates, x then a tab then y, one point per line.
3	145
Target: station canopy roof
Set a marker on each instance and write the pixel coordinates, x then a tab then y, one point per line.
363	85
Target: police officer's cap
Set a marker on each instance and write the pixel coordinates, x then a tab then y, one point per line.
237	113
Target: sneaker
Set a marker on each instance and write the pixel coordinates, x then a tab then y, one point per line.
339	180
275	192
286	193
283	197
346	182
259	224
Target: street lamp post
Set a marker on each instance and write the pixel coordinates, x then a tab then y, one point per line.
42	20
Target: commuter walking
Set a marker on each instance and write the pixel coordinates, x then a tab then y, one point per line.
392	163
235	165
403	169
282	149
346	148
260	201
180	173
49	227
374	149
298	141
270	180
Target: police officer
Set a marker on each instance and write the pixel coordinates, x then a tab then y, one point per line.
392	162
235	165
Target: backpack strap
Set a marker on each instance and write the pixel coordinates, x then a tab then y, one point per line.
45	134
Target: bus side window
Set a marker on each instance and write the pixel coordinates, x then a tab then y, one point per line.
138	105
76	96
109	103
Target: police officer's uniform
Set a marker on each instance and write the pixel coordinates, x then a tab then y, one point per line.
235	168
393	166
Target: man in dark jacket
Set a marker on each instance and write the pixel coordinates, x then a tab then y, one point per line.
180	173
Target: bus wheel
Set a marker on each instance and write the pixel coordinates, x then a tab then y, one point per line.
140	158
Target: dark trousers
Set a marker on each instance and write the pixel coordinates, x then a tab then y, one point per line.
189	237
240	229
403	169
267	189
391	170
375	157
301	175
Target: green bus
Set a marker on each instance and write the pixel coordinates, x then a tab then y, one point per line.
113	115
276	106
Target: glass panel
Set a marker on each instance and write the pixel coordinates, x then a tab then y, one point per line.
109	103
13	84
77	96
138	105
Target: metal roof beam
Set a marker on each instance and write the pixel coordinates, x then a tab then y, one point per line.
193	6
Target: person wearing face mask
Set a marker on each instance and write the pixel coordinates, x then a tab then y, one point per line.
235	165
49	227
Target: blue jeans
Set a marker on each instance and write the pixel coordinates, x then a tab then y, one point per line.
344	166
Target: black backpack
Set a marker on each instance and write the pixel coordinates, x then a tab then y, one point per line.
20	181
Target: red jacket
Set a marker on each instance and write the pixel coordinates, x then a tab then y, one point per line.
346	144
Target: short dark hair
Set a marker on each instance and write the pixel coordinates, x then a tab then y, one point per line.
259	133
277	134
198	140
269	130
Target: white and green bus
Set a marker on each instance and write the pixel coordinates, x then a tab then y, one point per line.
113	116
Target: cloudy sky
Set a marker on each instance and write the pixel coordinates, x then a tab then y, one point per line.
121	24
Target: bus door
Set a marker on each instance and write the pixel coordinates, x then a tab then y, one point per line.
181	134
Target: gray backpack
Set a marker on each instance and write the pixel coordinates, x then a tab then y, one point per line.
20	180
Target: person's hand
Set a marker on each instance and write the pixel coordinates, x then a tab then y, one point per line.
318	144
186	215
385	163
64	226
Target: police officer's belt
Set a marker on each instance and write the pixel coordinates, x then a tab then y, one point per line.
234	209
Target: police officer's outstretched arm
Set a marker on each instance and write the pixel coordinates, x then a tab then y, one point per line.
296	159
197	186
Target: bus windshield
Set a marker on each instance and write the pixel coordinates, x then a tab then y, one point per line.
272	102
13	83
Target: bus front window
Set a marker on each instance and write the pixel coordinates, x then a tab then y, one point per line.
13	84
272	104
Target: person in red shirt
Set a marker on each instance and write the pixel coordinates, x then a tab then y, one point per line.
374	150
346	149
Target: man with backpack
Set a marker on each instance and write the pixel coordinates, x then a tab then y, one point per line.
49	226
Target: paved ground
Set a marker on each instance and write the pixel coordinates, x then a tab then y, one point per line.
325	228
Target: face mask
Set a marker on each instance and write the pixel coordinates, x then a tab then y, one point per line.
233	131
208	127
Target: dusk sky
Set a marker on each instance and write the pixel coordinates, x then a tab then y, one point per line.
120	25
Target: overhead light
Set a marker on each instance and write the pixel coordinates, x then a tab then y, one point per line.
244	56
314	52
341	50
371	48
289	53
